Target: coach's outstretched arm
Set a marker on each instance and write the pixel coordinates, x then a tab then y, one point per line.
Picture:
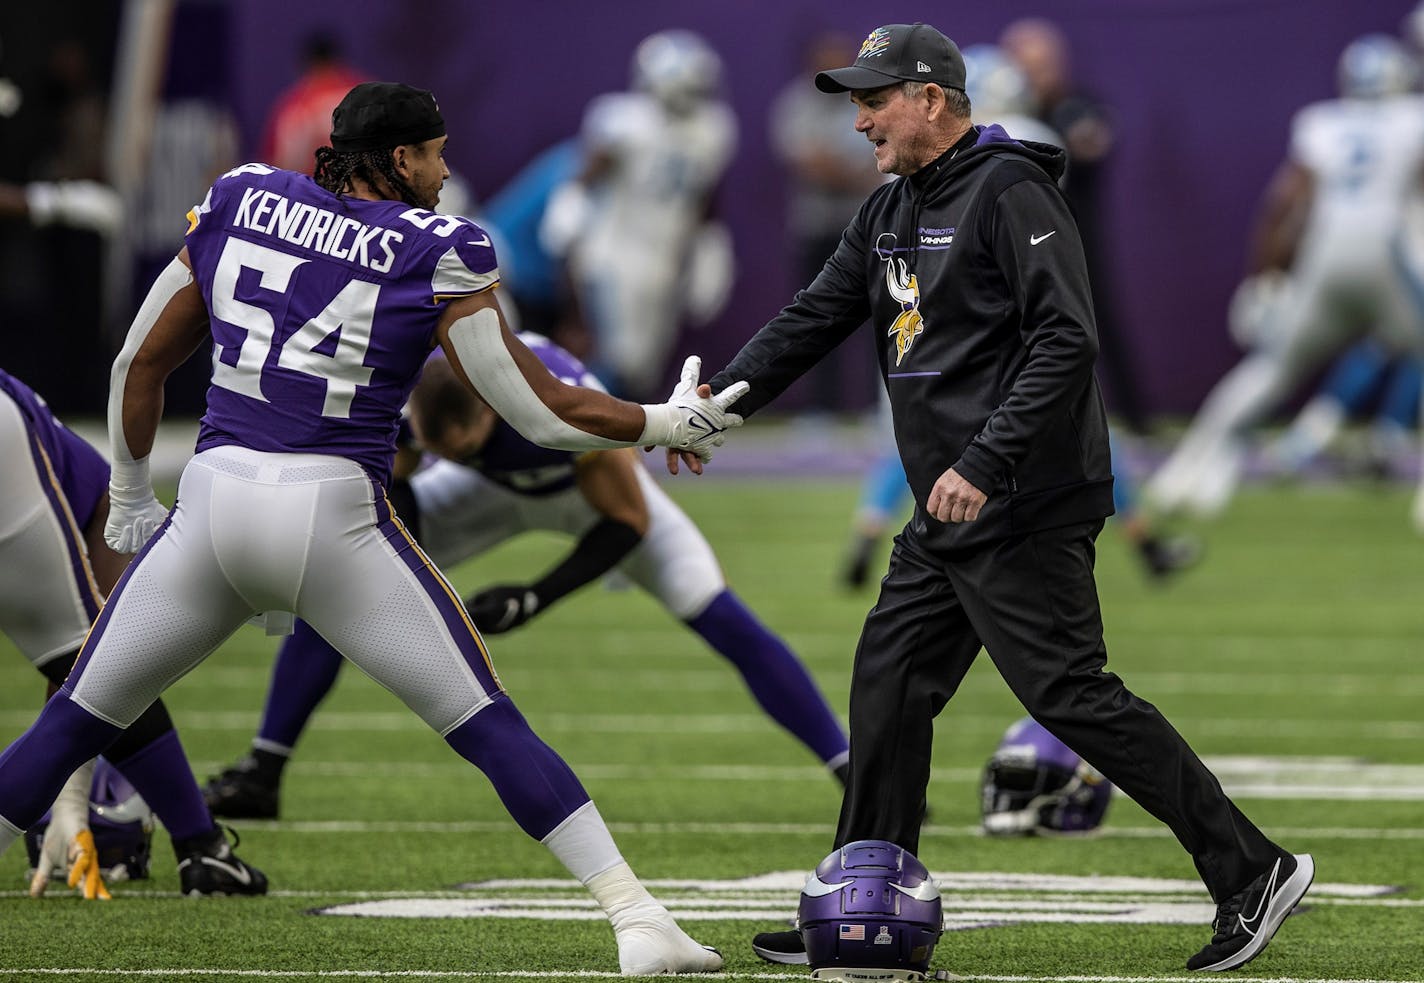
509	377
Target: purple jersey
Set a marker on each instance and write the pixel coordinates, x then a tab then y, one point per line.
522	466
323	310
81	471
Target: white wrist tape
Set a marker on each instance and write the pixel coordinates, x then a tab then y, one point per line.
131	476
175	277
660	425
479	342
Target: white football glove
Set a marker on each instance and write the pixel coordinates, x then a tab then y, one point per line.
69	843
1255	308
689	422
81	204
135	513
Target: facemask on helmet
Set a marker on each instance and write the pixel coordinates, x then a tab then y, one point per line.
870	911
1034	783
121	822
1374	67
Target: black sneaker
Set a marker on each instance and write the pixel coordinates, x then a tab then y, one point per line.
856	572
207	866
1246	921
242	792
1164	557
781	947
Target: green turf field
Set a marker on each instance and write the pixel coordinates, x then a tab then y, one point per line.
1290	659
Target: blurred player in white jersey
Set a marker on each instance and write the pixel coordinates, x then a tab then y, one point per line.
634	224
321	297
1330	262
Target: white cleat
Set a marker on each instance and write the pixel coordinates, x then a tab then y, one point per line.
650	943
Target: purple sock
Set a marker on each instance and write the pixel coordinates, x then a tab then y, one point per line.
303	674
777	679
160	773
36	766
536	786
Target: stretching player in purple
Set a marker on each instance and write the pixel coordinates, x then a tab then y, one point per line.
322	297
492	485
55	570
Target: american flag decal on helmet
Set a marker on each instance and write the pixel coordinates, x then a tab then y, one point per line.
853	933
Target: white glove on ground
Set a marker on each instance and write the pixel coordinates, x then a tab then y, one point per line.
68	842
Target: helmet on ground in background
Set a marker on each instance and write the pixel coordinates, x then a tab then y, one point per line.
121	822
1034	783
1375	66
678	68
870	911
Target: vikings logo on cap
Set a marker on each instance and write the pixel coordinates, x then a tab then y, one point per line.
875	43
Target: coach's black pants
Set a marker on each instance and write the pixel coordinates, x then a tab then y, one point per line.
1032	602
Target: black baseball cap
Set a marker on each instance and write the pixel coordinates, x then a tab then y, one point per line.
899	53
380	115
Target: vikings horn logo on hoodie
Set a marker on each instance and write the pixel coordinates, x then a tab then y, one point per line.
904	286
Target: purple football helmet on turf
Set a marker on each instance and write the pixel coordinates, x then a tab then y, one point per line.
1035	783
121	822
870	911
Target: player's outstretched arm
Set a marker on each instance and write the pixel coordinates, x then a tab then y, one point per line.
608	481
547	411
170	325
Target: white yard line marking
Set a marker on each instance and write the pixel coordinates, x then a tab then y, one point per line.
377	974
773	829
742	723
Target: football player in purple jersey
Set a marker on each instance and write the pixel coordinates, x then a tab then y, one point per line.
321	298
493	485
55	570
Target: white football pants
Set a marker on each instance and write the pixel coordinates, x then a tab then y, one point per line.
463	514
306	533
48	597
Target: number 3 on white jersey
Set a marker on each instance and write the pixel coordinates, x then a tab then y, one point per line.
351	312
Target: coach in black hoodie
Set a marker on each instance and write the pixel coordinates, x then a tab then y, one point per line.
971	272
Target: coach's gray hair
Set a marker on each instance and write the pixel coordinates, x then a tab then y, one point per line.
957	101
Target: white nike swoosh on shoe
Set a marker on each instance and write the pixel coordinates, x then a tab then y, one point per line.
1034	240
240	874
1280	905
1251	924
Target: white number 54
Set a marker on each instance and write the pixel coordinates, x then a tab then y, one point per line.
350	312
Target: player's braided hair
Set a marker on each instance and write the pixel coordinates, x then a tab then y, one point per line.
335	169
